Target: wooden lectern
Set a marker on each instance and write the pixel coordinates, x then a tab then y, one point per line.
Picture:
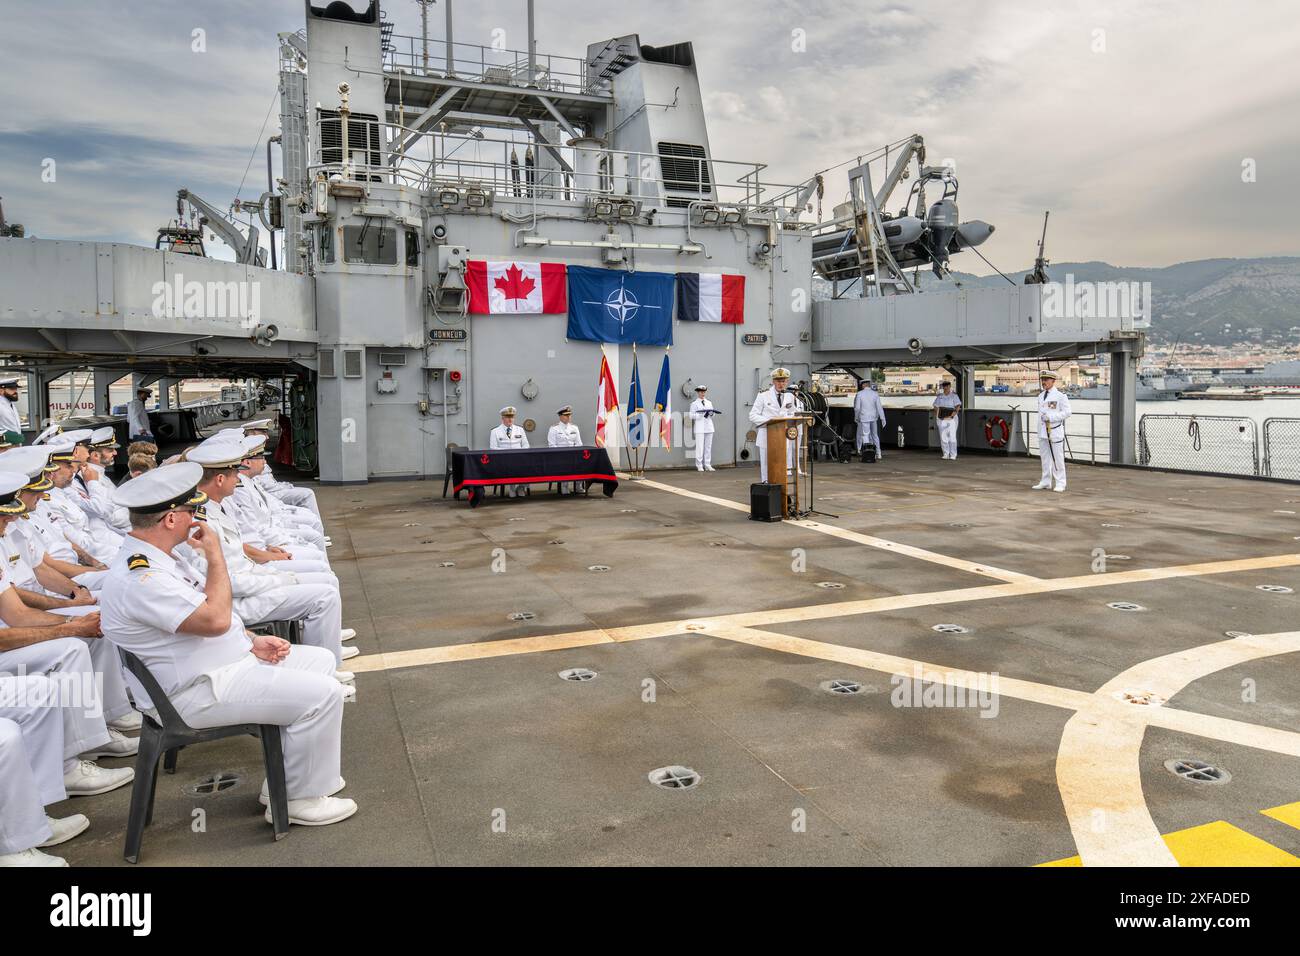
778	467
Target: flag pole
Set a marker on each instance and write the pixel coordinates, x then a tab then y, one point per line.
636	371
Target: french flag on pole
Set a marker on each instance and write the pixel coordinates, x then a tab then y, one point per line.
710	297
519	288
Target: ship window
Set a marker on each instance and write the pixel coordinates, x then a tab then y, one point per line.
325	243
412	247
373	244
684	168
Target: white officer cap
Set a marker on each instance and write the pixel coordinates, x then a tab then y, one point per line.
780	373
46	435
701	388
259	425
8	381
78	436
1047	373
163	489
565	410
105	437
10	484
61	449
31	460
508	410
219	451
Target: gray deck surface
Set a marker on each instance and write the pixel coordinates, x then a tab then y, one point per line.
435	753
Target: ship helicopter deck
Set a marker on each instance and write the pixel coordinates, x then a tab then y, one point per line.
1103	676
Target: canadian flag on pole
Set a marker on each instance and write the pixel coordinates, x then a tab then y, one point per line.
606	399
516	287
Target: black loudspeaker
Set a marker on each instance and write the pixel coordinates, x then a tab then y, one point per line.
869	454
765	502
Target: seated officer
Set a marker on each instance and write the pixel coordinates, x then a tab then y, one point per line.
565	434
263	592
258	520
28	605
285	491
50	554
509	435
198	650
99	483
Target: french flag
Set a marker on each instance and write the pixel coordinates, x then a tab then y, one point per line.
710	297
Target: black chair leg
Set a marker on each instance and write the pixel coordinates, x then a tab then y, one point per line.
140	814
273	757
169	760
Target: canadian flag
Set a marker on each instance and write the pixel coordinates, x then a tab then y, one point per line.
516	287
606	399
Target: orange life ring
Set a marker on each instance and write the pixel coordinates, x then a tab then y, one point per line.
1001	424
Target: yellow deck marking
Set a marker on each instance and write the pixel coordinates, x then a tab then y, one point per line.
891	664
1097	769
813	612
1288	813
958	564
1214	844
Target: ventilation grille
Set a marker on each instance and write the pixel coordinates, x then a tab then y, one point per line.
363	134
684	168
326	357
392	358
352	363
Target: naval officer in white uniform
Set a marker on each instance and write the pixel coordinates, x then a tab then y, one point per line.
197	648
947	412
869	414
509	435
100	485
263	592
302	499
565	434
9	420
774	402
1053	410
137	417
702	413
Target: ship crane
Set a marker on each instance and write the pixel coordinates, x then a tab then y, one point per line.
246	248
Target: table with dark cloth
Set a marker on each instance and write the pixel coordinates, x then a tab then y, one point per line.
472	470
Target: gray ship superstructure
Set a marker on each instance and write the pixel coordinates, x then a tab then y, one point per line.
406	158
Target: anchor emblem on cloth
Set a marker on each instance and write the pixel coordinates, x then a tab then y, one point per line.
484	460
586	454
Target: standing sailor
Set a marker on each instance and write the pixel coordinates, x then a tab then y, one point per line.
1053	410
565	434
702	413
9	420
509	435
774	402
137	417
869	413
947	408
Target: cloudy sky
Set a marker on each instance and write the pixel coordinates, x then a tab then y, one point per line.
1131	121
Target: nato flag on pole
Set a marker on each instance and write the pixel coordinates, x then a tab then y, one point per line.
636	425
629	308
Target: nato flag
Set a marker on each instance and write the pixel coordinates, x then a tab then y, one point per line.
607	305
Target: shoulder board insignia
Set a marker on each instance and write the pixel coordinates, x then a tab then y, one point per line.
136	562
201	513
